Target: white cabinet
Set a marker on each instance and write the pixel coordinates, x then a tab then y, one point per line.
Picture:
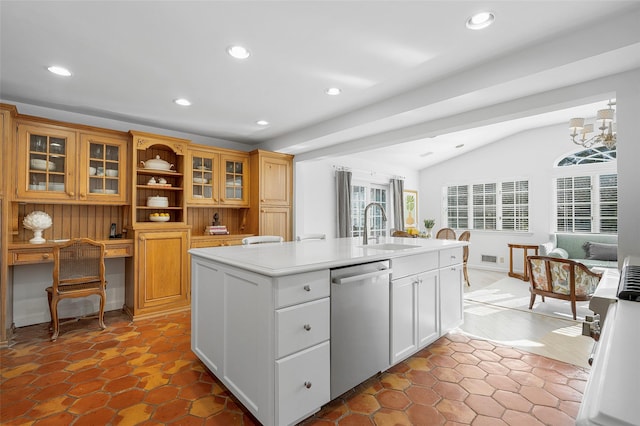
262	334
451	292
414	304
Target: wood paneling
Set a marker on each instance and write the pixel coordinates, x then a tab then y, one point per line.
233	219
71	221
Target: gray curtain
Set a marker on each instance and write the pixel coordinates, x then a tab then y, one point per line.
343	202
397	187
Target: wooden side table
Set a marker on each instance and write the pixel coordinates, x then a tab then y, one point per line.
525	250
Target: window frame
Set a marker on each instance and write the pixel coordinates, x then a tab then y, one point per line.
357	212
492	206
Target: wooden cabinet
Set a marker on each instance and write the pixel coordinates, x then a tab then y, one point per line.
271	196
158	180
159	275
58	164
217	178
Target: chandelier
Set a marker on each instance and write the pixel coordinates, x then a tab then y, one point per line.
606	136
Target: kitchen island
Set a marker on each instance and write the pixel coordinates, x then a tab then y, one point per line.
263	320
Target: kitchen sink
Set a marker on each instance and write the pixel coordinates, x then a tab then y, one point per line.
389	246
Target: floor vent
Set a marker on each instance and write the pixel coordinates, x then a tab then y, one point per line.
490	259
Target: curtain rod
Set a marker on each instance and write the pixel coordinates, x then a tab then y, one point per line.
370	172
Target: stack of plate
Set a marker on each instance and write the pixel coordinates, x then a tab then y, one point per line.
157	201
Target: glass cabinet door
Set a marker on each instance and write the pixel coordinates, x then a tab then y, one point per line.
203	169
103	168
235	180
46	160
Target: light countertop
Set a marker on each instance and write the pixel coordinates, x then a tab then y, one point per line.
278	259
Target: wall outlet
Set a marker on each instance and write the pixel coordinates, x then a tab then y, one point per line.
502	260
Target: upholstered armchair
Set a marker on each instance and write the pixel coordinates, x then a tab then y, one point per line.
561	279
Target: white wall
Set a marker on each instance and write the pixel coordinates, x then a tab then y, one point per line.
314	192
30	304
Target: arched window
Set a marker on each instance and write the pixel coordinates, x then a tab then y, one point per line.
600	154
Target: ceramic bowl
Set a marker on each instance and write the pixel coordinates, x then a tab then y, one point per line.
111	172
92	171
38	164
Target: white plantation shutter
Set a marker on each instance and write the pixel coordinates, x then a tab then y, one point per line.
573	204
608	203
515	206
458	207
484	206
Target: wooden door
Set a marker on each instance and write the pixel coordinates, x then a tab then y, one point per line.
162	270
275	184
276	221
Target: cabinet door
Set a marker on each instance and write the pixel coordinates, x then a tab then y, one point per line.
103	169
234	182
203	171
428	318
162	269
451	310
276	221
46	163
275	183
403	318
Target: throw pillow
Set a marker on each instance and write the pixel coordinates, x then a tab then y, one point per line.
600	251
559	252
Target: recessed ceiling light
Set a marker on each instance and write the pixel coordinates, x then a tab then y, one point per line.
182	102
333	91
59	71
262	123
238	52
426	154
460	146
480	20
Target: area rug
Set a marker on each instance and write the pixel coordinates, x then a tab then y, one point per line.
514	294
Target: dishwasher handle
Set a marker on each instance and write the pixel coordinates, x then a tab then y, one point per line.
360	277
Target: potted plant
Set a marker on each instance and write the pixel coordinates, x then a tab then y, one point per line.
429	224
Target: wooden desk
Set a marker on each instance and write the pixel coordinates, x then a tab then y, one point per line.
26	253
524	276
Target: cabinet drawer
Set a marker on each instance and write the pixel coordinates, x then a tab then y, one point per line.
414	264
122	251
300	288
301	326
18	258
451	256
302	384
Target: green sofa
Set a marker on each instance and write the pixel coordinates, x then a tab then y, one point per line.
602	252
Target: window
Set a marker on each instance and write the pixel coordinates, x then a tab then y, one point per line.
457	207
515	205
587	203
492	206
361	195
587	199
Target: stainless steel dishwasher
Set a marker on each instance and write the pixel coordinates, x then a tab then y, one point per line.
359	324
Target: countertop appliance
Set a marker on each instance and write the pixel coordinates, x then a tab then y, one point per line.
359	324
611	395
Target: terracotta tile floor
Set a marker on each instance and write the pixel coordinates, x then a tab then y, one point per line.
144	372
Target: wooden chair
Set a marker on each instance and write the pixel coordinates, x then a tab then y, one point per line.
561	279
78	271
311	237
465	236
446	234
403	234
261	239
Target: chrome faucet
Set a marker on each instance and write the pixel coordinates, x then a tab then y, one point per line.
365	236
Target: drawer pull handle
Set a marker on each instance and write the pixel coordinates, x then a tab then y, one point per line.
45	256
307	288
307	385
307	327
